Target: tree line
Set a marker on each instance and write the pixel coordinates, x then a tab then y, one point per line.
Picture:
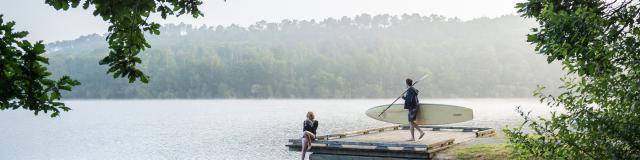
351	57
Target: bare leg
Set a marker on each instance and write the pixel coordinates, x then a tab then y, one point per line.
415	125
304	146
308	143
411	129
310	137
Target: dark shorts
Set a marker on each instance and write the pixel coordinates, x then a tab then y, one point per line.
412	114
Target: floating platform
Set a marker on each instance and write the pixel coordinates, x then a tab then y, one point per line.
389	142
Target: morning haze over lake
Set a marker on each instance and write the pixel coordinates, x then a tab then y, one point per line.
285	79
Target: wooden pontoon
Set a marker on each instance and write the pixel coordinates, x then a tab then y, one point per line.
389	142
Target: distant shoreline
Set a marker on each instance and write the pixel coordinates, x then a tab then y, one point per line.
391	99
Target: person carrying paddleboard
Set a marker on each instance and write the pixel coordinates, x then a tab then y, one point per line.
411	103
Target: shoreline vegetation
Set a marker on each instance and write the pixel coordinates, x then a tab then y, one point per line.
495	147
490	148
579	57
294	99
366	56
483	151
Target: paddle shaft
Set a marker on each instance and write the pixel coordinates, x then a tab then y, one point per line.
400	96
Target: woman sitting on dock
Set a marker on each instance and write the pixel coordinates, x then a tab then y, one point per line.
309	133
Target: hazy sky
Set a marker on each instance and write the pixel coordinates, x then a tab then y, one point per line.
45	23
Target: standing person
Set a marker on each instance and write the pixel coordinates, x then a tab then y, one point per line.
308	132
411	103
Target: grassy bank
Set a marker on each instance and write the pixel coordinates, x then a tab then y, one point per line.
482	151
495	147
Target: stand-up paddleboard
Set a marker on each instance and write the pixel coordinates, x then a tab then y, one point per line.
428	114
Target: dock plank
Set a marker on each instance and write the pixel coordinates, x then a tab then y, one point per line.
402	136
391	142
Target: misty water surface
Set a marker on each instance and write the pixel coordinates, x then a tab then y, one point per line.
204	129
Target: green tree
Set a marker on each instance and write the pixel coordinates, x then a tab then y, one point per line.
598	44
24	81
23	74
320	59
128	21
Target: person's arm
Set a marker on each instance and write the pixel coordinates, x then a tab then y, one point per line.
315	126
415	97
305	126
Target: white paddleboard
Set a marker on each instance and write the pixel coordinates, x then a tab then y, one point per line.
428	114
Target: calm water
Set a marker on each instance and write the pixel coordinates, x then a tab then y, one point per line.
204	129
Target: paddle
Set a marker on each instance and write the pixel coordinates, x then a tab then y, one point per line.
414	83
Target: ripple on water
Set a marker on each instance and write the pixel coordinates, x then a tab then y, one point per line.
204	129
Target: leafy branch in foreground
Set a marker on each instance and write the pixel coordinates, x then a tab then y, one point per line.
128	21
24	81
598	44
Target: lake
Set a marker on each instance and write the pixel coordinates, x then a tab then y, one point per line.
205	129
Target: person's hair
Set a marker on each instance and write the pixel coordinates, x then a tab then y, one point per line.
409	82
311	116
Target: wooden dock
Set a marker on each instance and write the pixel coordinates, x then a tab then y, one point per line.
389	142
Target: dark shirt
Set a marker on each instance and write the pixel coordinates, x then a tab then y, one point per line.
411	98
310	127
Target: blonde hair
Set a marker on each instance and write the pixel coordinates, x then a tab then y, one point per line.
311	116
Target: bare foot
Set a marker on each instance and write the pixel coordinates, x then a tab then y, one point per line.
421	135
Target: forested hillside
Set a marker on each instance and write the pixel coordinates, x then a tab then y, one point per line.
352	57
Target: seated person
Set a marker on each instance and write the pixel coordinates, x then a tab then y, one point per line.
308	133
